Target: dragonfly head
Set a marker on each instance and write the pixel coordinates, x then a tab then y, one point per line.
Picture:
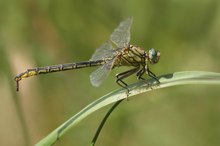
153	56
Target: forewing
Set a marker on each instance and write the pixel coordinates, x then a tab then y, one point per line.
105	50
99	75
121	35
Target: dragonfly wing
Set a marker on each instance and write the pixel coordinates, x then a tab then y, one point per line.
121	35
103	51
99	75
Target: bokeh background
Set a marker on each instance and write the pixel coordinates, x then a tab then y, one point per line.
46	32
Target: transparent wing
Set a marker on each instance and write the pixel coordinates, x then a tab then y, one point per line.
121	35
103	51
99	75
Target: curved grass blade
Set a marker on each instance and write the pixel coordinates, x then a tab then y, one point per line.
173	79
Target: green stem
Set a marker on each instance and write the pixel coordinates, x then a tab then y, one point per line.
103	121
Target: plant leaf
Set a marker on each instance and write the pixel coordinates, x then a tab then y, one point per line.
173	79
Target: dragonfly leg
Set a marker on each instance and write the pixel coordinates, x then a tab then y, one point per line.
151	74
123	75
140	74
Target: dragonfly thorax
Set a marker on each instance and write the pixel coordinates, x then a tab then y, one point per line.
131	56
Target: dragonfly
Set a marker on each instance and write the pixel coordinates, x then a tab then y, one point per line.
115	52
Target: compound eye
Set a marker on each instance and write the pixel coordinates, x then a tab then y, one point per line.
154	56
153	52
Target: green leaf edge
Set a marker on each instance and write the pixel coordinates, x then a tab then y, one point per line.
172	79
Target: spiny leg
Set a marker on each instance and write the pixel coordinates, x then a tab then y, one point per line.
151	74
140	74
124	75
148	71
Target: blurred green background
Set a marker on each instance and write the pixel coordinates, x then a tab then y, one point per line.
43	32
